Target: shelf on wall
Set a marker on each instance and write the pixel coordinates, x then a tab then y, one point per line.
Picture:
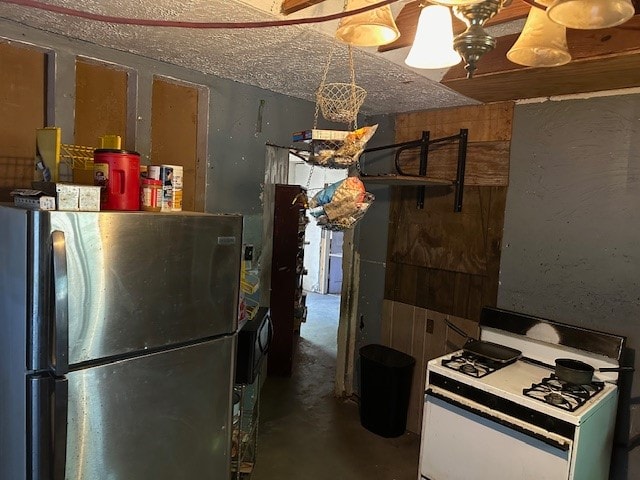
406	180
401	178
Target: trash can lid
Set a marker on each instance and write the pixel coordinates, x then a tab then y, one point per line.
386	356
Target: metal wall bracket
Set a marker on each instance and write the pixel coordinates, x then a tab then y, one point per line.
403	178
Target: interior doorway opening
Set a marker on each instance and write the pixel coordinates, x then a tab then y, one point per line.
322	249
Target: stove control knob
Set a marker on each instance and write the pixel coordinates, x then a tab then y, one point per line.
549	423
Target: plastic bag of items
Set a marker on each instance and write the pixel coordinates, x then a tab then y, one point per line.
340	205
341	153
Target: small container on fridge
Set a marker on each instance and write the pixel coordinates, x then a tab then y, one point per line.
151	195
164	173
176	193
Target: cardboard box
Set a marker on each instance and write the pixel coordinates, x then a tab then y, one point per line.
318	134
83	198
33	200
69	196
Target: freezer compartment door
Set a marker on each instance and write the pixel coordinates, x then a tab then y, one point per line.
164	416
134	281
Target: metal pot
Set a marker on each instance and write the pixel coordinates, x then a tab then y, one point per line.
580	373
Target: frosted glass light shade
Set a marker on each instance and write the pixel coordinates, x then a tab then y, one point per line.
590	14
369	29
433	44
542	43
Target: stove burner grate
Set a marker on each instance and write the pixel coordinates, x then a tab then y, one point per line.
471	364
561	394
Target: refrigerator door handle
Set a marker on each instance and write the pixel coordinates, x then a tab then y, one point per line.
48	426
60	360
265	348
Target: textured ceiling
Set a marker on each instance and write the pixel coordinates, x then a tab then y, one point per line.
288	60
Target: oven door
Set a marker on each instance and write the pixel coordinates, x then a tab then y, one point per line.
460	442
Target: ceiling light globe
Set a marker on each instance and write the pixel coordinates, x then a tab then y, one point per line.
369	29
542	43
590	14
433	44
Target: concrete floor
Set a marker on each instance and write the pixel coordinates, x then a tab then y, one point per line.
305	432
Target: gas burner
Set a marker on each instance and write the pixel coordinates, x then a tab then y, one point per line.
555	398
561	394
469	369
471	364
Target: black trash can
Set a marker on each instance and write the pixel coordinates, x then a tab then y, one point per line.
385	384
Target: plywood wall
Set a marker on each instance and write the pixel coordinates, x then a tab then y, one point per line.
174	135
437	258
443	264
22	111
101	102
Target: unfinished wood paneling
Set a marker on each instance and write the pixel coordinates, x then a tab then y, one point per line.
101	102
22	111
402	333
596	75
602	59
437	237
291	6
422	334
487	163
448	265
417	352
486	123
439	259
174	135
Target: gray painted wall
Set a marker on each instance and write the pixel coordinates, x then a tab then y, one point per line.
371	239
571	245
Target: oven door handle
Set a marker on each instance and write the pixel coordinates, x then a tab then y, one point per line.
562	445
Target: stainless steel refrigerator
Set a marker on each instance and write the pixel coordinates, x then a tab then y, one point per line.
117	344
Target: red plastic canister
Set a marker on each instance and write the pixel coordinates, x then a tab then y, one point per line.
118	173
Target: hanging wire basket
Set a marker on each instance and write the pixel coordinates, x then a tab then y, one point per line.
340	102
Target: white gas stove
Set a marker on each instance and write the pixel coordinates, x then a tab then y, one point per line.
513	419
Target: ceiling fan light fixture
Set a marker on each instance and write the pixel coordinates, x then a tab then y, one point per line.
475	41
369	29
590	14
542	43
433	44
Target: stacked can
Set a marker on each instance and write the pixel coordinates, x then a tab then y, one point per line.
171	178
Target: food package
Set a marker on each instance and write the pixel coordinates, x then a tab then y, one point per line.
341	153
340	205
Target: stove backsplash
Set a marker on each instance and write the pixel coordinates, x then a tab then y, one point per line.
546	340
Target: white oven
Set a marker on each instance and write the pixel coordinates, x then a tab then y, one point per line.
515	420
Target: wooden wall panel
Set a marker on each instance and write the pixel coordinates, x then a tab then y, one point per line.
442	264
22	111
174	135
486	123
421	333
487	163
437	258
101	102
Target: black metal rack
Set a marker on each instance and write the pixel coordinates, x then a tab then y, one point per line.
421	180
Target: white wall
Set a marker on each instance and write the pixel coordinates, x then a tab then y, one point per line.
299	175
